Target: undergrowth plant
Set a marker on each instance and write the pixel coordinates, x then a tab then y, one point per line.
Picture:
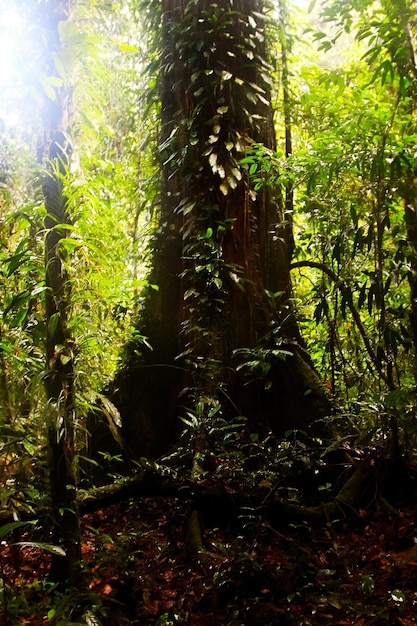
354	244
104	252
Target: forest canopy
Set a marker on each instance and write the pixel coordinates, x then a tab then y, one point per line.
208	242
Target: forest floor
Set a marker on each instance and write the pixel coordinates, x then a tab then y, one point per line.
360	571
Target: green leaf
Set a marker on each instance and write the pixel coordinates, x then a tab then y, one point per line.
48	547
29	447
60	66
367	585
7	528
126	47
362	296
49	85
372	54
6	347
20	317
86	459
53	323
189	293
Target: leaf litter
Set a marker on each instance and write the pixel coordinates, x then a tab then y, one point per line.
356	572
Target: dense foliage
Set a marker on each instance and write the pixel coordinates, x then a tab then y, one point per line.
343	78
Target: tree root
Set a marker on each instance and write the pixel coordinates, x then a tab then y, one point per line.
217	507
356	493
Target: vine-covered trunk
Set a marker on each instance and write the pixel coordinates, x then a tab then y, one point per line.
59	379
221	324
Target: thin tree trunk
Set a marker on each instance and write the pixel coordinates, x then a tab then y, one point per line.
285	77
59	380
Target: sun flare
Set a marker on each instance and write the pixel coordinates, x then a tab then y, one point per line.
11	49
11	26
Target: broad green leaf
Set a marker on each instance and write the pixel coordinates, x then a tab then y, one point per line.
53	323
6	347
7	528
48	547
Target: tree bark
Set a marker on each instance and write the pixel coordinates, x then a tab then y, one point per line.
221	251
59	378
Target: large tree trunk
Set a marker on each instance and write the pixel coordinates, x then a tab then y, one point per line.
222	251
